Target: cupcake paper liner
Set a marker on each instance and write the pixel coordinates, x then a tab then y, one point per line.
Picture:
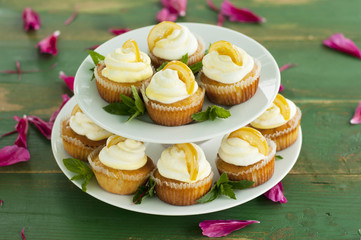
232	94
181	193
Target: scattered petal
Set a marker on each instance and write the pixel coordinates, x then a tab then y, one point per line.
69	80
212	6
93	47
22	234
55	114
9	133
166	15
72	17
177	7
118	31
220	19
220	228
18	70
356	119
276	194
287	66
340	43
31	19
281	88
10	155
48	44
43	126
1	203
22	128
239	14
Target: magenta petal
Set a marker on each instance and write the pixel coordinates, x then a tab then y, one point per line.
281	88
93	47
69	80
10	155
22	128
31	19
55	114
356	119
1	203
166	15
287	66
220	228
43	126
340	43
212	6
239	14
118	31
72	17
276	194
22	234
48	44
220	19
178	7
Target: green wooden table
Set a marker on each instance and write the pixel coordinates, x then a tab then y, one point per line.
323	189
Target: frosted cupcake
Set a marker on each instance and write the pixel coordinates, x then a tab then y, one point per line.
121	69
183	174
229	75
246	155
121	166
169	41
280	122
81	135
173	95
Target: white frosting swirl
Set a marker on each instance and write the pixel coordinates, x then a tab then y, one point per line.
166	87
121	66
221	68
272	117
127	155
238	152
82	125
172	164
177	44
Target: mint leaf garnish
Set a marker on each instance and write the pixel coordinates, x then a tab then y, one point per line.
224	187
207	50
185	59
211	113
146	190
278	157
128	106
161	66
196	67
81	168
96	57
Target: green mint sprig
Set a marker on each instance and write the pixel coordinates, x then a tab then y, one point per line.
278	157
207	50
96	57
184	59
224	187
211	113
83	171
146	190
194	67
128	106
161	66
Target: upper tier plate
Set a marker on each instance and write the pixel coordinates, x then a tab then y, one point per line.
143	128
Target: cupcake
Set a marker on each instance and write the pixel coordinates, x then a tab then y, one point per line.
246	155
121	166
173	95
81	135
229	75
121	69
183	174
280	122
169	41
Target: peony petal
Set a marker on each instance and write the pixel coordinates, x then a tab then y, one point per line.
239	14
48	44
55	114
22	234
220	19
220	228
212	6
31	19
276	194
178	7
287	66
118	31
281	88
356	119
22	128
10	155
1	203
340	43
166	15
69	80
43	126
72	17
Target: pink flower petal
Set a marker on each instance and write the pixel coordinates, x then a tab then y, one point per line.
212	6
178	7
1	203
31	19
72	17
10	155
22	128
340	43
18	68
48	44
239	14
93	47
22	234
43	126
220	19
69	80
356	119
281	88
9	133
118	31
276	194
220	228
166	15
55	114
287	66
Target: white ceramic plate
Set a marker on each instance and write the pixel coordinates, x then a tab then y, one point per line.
143	128
156	206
